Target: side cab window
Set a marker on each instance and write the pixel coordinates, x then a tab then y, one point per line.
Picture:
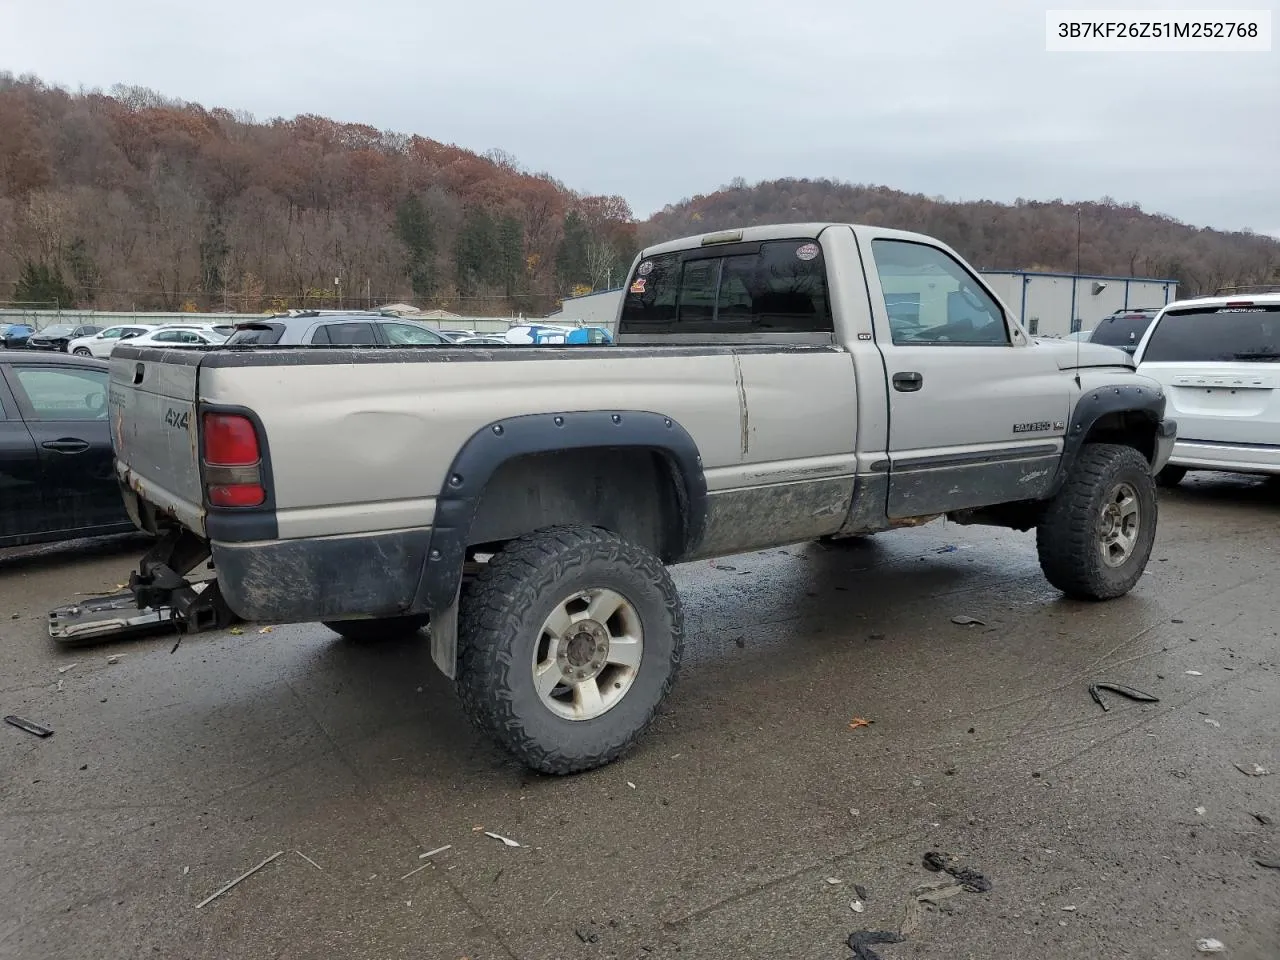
931	299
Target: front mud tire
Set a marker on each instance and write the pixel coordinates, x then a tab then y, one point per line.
1095	538
569	640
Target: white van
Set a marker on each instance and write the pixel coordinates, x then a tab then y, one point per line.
1218	359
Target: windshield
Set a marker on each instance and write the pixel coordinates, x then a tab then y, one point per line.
1122	331
1216	334
57	331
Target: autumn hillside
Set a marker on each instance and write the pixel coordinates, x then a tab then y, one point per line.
132	200
1115	239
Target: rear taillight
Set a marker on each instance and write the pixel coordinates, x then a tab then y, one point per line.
232	461
230	440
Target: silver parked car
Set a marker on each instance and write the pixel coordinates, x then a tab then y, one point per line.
334	329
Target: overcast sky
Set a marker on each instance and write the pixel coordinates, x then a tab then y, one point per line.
662	100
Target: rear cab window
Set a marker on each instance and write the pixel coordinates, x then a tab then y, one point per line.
1241	333
771	286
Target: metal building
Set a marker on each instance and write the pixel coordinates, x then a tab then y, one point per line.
1049	304
1056	304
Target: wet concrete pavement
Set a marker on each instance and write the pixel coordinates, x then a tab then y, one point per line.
172	773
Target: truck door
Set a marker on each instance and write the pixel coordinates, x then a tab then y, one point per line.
977	413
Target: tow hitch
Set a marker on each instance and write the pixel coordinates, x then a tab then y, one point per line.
160	598
161	582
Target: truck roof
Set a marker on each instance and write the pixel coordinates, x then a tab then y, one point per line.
773	231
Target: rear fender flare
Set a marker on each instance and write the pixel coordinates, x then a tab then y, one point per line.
503	440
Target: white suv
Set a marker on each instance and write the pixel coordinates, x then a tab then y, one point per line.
1218	359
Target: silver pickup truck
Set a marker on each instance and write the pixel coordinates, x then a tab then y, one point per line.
769	386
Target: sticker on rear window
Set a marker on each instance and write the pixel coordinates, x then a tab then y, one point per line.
645	268
638	286
808	251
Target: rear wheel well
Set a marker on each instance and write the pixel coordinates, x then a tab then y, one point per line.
636	492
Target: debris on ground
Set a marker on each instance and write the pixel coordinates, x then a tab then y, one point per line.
266	629
1267	863
1210	945
724	566
1121	689
861	942
1211	722
1194	673
309	860
432	853
69	666
964	621
942	893
1254	770
29	726
244	876
857	906
631	785
740	642
235	631
114	658
1262	818
1201	811
949	548
861	891
971	879
506	841
416	870
1069	909
857	722
587	936
834	881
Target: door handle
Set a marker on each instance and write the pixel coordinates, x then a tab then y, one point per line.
67	445
908	382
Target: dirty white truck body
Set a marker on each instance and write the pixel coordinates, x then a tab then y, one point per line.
382	478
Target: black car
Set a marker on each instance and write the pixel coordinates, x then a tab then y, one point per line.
1124	328
15	335
58	336
57	471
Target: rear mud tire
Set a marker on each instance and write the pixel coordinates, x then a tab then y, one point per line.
1070	537
375	631
503	632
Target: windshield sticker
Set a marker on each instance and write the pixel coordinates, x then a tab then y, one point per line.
808	251
638	286
645	268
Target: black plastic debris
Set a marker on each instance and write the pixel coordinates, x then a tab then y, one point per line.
1262	818
861	942
861	891
1121	689
1267	862
971	879
28	726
